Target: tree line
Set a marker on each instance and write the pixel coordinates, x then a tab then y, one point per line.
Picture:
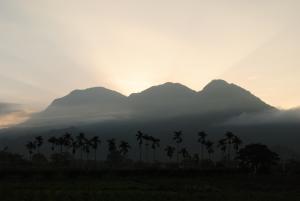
84	145
253	156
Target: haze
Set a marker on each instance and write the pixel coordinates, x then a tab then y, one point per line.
51	47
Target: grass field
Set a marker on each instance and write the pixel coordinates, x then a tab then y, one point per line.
154	188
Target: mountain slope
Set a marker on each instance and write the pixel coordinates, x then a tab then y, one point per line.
169	100
163	101
93	104
219	95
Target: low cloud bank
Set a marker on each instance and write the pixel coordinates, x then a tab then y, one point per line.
11	114
268	117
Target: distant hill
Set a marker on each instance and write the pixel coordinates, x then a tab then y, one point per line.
168	100
219	95
160	110
82	106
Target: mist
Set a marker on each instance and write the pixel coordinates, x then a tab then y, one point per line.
11	114
291	116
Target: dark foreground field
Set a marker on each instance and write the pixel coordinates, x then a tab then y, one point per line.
155	188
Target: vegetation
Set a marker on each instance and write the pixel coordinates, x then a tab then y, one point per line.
74	151
222	170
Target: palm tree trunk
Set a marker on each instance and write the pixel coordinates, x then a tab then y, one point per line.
229	152
147	153
140	147
177	154
202	156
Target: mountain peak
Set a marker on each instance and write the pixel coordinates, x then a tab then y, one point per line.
166	89
83	96
227	95
222	87
167	100
216	84
92	90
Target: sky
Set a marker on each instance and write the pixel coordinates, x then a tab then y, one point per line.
51	47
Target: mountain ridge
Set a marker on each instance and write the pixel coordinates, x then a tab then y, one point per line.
163	101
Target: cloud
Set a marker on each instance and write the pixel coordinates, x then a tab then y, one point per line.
11	114
268	117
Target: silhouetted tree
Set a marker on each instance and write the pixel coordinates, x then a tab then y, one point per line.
80	142
229	136
184	152
178	140
237	142
31	146
39	142
53	142
209	148
124	148
114	156
222	146
112	147
61	143
67	138
139	138
155	143
74	146
257	158
95	142
147	140
86	148
202	140
170	151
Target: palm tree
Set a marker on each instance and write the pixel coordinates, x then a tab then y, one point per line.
229	136
147	139
202	140
74	146
80	139
124	147
95	142
39	142
139	138
112	147
86	148
185	154
154	145
222	146
53	142
177	137
31	146
209	148
67	140
60	143
237	142
170	151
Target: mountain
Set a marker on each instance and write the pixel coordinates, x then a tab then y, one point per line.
163	101
219	95
160	110
81	106
169	100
